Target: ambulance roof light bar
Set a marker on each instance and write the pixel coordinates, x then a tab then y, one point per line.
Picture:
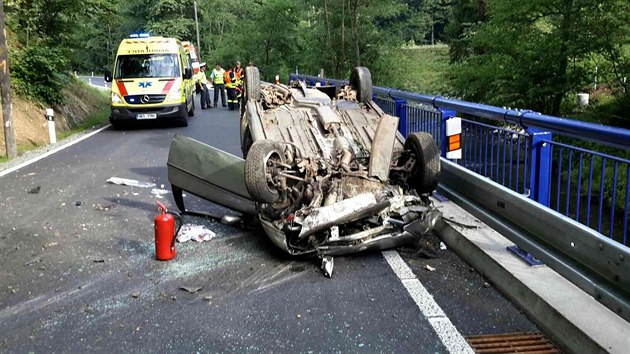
139	35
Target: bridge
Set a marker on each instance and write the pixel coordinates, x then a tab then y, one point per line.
546	196
78	273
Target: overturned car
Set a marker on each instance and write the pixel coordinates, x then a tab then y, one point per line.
325	170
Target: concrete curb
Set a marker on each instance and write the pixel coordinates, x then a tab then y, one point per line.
572	319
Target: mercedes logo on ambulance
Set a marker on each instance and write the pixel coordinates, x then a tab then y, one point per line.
145	99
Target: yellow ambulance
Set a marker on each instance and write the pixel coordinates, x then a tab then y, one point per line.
152	80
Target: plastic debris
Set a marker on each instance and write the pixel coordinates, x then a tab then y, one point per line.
159	193
442	246
327	266
130	182
197	233
429	268
191	289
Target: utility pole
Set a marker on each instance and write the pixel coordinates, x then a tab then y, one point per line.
197	25
5	86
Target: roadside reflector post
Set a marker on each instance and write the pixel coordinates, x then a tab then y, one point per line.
443	142
50	117
454	138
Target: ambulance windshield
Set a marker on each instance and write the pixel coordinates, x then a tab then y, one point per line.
147	65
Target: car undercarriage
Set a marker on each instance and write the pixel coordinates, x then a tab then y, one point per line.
325	170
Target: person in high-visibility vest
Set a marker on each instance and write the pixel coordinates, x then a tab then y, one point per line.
239	73
230	86
202	80
218	81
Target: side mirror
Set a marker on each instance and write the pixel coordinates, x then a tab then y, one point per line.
108	76
188	73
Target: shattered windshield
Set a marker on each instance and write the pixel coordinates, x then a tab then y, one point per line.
147	65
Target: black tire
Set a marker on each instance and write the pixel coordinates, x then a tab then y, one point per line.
361	80
425	174
256	170
183	120
117	125
252	84
191	113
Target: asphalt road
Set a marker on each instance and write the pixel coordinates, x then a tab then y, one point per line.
78	272
98	81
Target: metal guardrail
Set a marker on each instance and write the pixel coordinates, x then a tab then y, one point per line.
524	157
593	262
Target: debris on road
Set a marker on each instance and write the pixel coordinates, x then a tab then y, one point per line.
328	264
98	260
78	203
429	268
191	289
442	246
130	182
35	190
159	192
100	207
135	295
34	260
197	233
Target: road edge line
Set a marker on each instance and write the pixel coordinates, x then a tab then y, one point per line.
450	336
50	152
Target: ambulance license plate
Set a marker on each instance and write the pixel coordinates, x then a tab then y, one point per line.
147	116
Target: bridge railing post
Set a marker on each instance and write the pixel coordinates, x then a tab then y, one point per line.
540	165
446	114
401	112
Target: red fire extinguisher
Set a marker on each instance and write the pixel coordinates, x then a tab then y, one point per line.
165	233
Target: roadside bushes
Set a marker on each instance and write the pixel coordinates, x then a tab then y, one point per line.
39	73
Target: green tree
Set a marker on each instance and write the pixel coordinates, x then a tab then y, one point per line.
171	18
532	54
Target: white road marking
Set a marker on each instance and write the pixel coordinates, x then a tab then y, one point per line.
57	149
442	325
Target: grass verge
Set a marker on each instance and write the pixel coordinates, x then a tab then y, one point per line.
98	119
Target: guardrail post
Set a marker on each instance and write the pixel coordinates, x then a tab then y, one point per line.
401	112
446	114
540	166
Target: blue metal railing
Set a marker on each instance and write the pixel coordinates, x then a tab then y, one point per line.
585	185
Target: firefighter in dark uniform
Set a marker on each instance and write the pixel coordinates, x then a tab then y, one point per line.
230	87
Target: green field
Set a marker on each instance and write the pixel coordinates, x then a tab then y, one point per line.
427	69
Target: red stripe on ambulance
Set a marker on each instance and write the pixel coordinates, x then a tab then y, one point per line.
121	88
168	86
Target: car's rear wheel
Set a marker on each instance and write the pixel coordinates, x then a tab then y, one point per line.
361	81
425	173
252	83
260	169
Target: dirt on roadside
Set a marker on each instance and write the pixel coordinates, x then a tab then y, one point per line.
31	129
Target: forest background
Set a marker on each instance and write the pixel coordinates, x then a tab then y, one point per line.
529	54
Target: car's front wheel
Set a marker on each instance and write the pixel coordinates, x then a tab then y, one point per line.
261	170
425	174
